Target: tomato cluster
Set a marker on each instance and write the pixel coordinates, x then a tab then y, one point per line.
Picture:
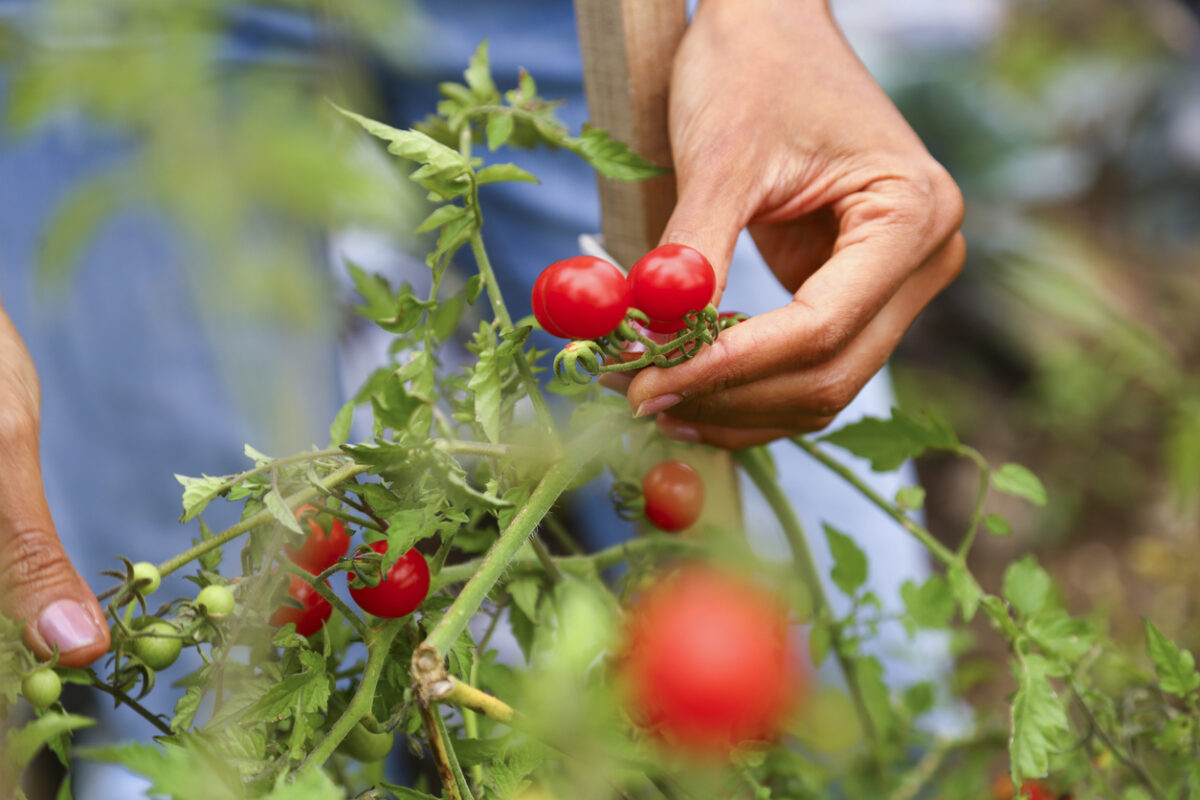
305	607
674	493
587	297
706	664
402	589
324	544
1003	789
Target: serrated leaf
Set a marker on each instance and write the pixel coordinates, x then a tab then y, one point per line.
309	784
405	793
997	525
1018	481
1039	721
182	773
339	429
198	493
1060	635
888	443
279	510
609	157
498	173
22	744
479	751
1175	667
440	216
1027	586
499	128
965	591
186	708
849	562
930	604
479	75
485	384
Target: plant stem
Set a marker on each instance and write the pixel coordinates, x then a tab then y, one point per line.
501	312
553	484
754	463
322	588
277	462
465	695
583	564
939	550
487	449
117	694
453	782
985	475
353	520
543	555
250	523
379	643
1125	758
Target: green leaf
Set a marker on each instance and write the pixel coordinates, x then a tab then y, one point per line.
309	784
1176	668
76	220
339	430
1039	721
499	128
1056	632
1018	481
473	288
611	158
1027	586
479	75
997	525
965	591
22	744
444	321
929	605
485	384
820	641
479	751
888	443
910	497
198	493
498	173
1182	450
440	216
875	694
280	511
849	563
182	773
405	793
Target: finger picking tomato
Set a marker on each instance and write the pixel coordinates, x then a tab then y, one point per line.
705	662
305	607
400	592
580	298
670	281
323	546
674	493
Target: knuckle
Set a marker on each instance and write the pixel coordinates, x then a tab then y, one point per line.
831	396
814	424
728	359
945	202
32	557
828	338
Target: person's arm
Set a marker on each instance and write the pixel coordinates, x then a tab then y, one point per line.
776	126
38	585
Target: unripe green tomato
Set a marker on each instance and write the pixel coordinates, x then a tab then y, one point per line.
215	601
157	652
362	745
146	577
41	688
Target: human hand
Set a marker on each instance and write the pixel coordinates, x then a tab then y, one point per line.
776	126
38	585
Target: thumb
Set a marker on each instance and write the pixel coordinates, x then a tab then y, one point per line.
709	219
38	585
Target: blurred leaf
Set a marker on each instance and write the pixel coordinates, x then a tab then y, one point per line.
611	158
1027	586
849	562
888	443
1039	721
1018	481
997	525
1175	667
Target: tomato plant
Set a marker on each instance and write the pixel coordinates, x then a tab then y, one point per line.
326	542
400	592
304	606
674	493
707	661
669	282
580	298
630	659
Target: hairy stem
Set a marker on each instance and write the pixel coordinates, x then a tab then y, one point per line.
379	642
754	463
985	474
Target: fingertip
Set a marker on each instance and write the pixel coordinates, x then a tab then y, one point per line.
74	626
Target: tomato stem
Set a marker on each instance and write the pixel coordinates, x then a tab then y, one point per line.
453	781
985	475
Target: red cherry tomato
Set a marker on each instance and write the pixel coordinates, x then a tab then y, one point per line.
670	281
580	298
322	547
311	613
401	591
539	306
674	494
1002	789
705	662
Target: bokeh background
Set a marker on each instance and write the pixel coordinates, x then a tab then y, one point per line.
195	134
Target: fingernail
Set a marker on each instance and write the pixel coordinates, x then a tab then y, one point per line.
656	404
679	431
67	624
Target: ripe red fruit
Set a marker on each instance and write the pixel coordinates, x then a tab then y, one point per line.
322	547
310	612
580	298
670	281
705	662
1002	789
400	592
674	493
